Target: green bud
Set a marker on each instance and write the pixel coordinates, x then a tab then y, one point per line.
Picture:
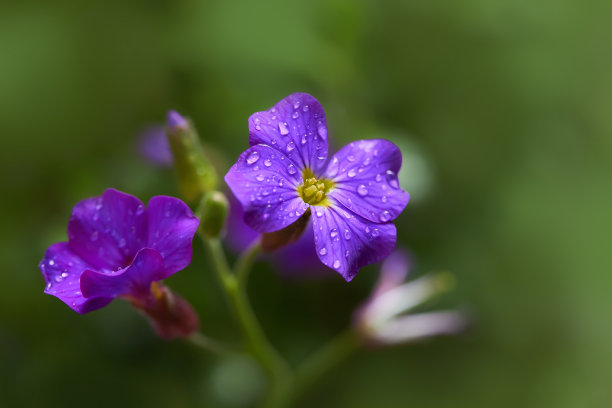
212	213
196	176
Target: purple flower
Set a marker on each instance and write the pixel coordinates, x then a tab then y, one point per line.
385	317
285	175
118	248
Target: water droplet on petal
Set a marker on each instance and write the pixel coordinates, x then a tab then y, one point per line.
51	262
385	216
322	131
367	160
378	178
392	179
282	127
375	232
64	274
333	233
319	212
290	146
295	115
304	139
352	173
58	278
260	177
323	251
362	190
291	169
267	162
351	158
384	199
347	234
336	264
252	158
305	108
346	254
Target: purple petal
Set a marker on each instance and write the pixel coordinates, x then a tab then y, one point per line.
345	241
172	226
299	260
62	271
135	280
392	272
365	173
107	231
175	120
239	235
295	126
154	146
265	182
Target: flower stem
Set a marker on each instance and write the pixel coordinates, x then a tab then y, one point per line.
321	362
256	342
245	262
210	344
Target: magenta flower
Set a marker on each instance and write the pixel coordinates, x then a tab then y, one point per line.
118	248
285	175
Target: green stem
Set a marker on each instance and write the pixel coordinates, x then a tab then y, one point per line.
257	344
245	262
209	344
323	361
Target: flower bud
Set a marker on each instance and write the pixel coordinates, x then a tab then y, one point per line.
196	175
170	315
212	213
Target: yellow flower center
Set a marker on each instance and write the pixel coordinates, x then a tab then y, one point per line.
314	191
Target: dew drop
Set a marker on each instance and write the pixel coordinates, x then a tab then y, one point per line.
281	182
253	157
304	139
346	254
362	190
64	274
375	232
260	177
352	173
333	233
282	127
319	213
351	158
392	179
336	264
384	199
51	262
296	105
323	251
367	161
322	131
267	162
347	234
291	169
378	178
385	216
140	209
295	115
290	146
305	108
58	278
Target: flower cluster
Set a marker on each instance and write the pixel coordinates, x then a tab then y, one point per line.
285	176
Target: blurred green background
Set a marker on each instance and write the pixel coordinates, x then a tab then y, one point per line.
502	108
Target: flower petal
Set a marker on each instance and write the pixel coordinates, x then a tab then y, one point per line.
345	241
295	126
265	182
135	280
172	226
419	326
365	173
62	270
107	231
